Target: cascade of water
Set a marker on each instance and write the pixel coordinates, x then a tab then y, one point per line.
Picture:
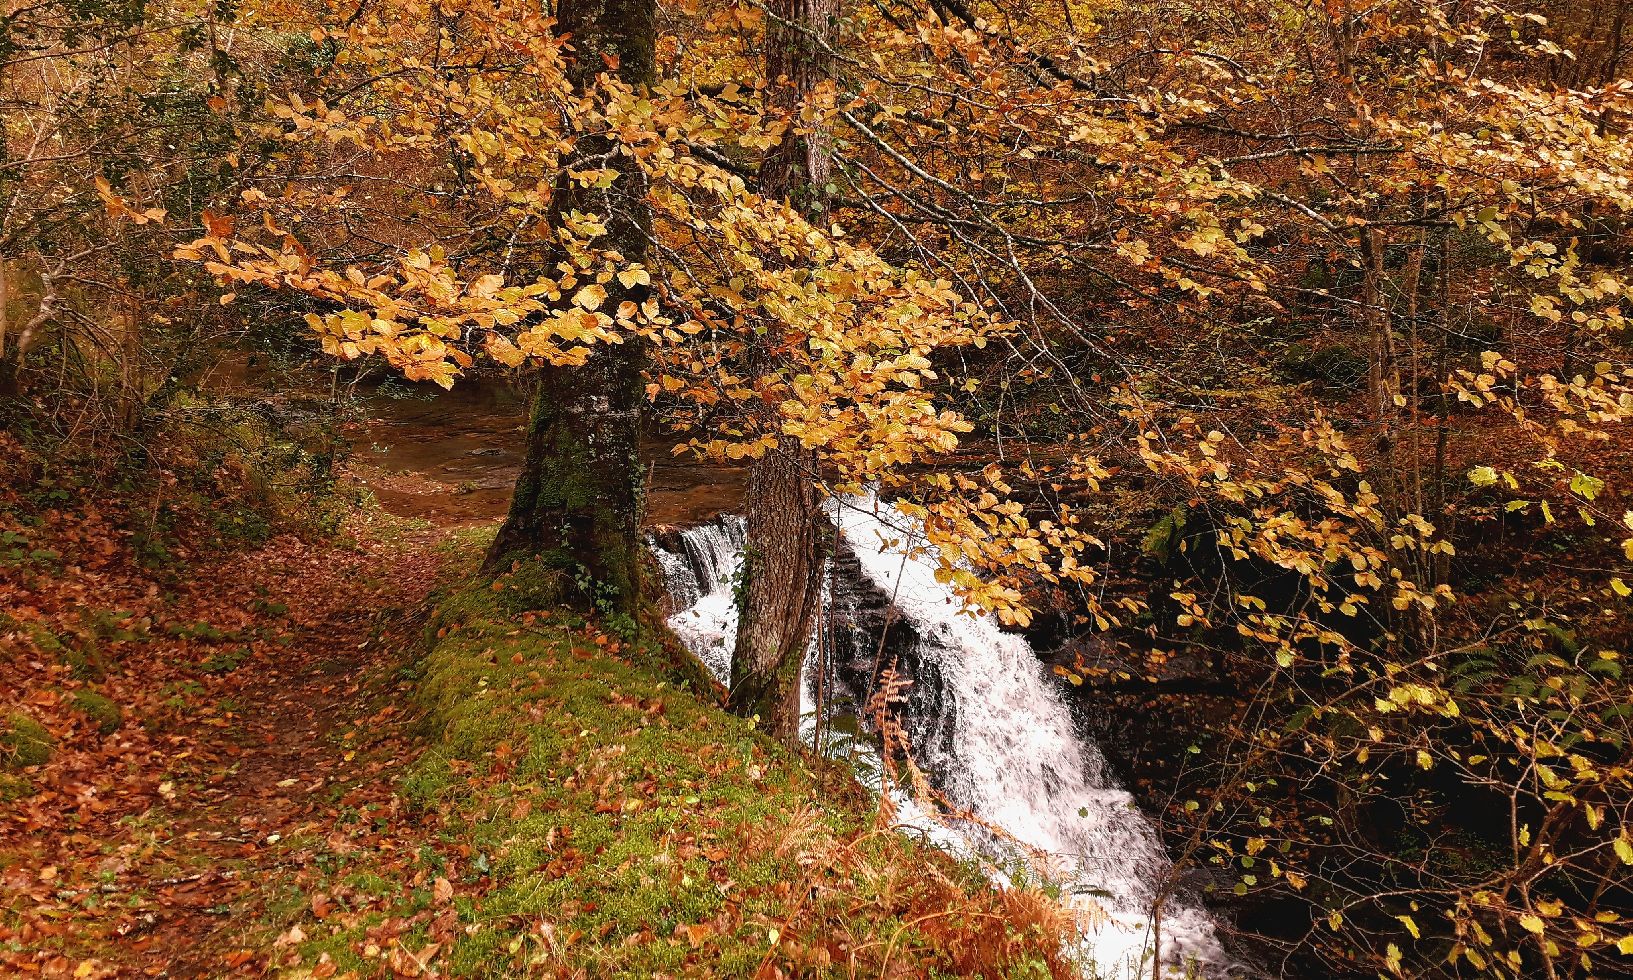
701	577
1010	753
1001	742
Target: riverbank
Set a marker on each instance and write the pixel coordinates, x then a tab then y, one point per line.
296	764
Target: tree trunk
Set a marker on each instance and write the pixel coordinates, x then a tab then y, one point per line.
576	506
783	565
799	36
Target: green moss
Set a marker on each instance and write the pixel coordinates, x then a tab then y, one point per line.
598	812
14	787
82	655
24	742
104	711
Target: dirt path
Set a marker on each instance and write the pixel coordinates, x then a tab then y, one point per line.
261	704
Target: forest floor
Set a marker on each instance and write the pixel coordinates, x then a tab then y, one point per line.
187	723
340	755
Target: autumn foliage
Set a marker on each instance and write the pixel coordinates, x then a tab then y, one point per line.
1288	336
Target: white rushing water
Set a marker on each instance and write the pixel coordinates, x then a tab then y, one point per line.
702	579
1013	758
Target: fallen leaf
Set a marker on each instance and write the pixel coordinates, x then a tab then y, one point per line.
698	933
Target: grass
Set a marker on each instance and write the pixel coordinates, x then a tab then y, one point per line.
584	808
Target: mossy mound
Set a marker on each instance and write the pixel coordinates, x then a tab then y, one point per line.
24	742
104	712
598	815
84	659
14	787
1333	365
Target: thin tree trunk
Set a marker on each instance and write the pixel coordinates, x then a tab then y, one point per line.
784	561
576	506
8	383
1443	520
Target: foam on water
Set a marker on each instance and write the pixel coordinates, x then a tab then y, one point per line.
702	580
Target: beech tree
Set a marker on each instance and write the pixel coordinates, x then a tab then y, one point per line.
783	564
576	505
1278	322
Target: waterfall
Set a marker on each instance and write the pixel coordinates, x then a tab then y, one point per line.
701	566
1004	747
987	723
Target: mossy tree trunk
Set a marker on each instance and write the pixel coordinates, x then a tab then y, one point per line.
576	506
784	561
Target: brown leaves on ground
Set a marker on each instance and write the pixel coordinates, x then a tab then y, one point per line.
195	717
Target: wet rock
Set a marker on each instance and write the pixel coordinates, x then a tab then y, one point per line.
870	637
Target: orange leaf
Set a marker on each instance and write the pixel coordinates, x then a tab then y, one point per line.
698	933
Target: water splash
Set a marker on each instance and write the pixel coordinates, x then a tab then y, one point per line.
701	576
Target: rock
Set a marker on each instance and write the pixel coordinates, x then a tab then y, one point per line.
868	637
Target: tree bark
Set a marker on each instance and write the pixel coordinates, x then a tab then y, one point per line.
799	38
783	565
577	502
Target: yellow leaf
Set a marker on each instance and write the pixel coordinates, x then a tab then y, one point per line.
1531	923
502	350
590	297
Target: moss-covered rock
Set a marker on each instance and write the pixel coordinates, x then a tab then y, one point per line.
14	786
84	660
104	712
24	742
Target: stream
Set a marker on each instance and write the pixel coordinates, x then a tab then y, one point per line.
986	721
453	458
